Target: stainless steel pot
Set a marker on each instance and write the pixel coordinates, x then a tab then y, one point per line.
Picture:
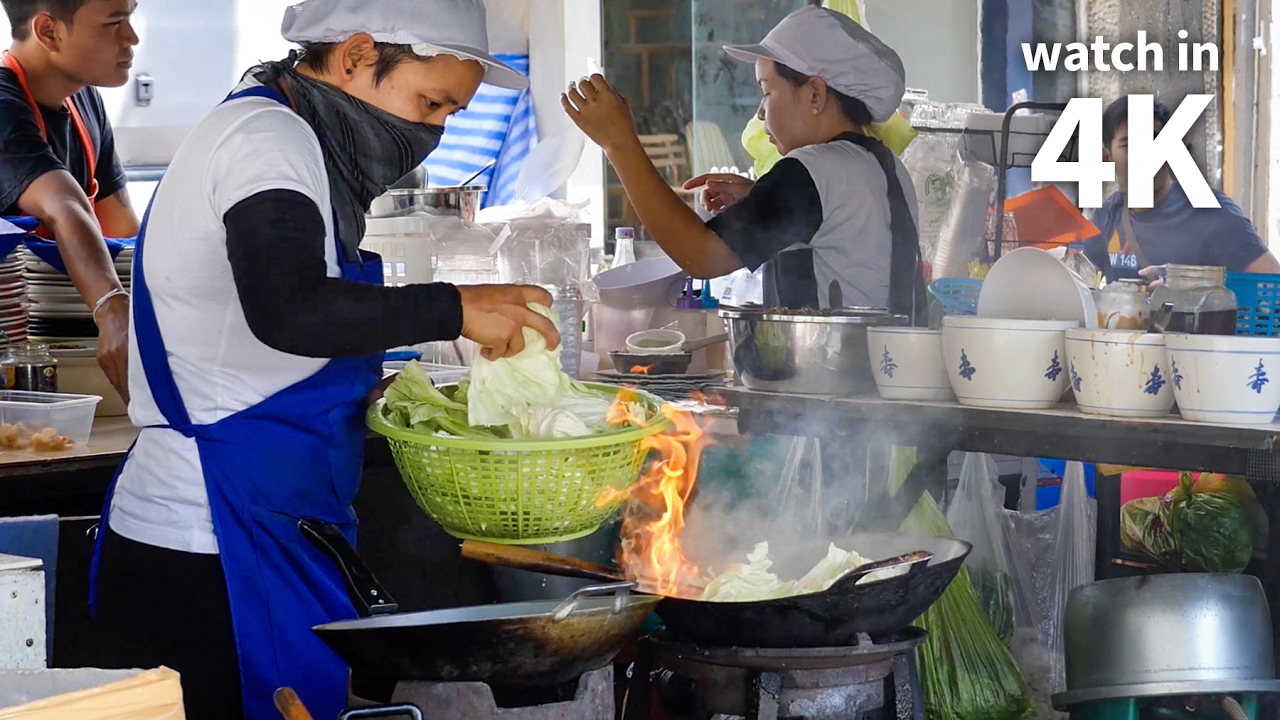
461	202
1160	635
804	354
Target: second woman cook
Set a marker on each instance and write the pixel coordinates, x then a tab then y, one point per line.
833	223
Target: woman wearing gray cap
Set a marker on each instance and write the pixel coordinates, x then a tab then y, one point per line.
258	333
833	222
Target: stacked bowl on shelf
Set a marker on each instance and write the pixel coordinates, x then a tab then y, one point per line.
58	314
1036	335
13	302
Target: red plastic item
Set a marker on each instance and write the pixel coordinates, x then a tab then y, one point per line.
1047	219
1147	483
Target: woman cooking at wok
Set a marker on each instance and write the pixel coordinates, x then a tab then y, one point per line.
833	222
258	332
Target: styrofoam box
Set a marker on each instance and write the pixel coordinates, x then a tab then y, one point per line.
70	415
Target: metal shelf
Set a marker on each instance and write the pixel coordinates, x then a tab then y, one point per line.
1000	151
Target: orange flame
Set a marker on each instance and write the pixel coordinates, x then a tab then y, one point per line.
641	369
654	515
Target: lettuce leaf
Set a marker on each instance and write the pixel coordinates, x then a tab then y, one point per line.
526	396
504	389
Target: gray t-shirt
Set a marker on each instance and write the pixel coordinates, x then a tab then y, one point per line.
1173	232
820	216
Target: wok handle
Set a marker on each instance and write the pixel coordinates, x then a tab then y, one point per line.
620	591
535	561
290	707
367	594
382	712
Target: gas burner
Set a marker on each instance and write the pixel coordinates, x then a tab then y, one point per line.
859	682
590	698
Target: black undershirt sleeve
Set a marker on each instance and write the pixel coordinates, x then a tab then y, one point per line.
276	245
783	209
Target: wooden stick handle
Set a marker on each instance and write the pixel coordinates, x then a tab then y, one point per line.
290	707
536	561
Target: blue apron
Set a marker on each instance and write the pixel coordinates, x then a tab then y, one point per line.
297	454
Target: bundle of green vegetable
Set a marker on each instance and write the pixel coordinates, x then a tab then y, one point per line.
525	397
966	671
1203	525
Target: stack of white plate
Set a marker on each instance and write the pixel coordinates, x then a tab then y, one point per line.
57	312
13	301
667	387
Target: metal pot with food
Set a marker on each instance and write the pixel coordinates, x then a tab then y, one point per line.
462	202
805	352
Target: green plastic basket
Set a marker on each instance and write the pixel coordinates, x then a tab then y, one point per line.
517	492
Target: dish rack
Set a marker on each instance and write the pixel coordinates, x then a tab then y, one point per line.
519	492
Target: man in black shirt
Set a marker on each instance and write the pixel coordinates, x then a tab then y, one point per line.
58	161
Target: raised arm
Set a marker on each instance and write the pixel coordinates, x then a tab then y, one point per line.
605	117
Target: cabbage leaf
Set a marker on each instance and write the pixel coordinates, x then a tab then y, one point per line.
526	396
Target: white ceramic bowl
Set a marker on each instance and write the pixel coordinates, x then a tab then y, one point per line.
1224	378
907	363
1031	284
1013	364
1119	373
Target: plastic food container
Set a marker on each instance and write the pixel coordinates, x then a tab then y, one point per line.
70	416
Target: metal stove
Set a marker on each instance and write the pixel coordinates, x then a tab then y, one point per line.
590	698
870	680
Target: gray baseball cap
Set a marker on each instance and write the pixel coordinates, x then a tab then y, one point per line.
830	45
431	27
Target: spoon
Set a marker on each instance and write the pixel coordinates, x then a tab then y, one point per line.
478	173
851	578
1161	319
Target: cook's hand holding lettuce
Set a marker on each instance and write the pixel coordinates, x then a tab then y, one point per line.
525	397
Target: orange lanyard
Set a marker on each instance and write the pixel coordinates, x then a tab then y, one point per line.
86	140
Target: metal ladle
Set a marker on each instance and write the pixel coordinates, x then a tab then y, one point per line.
1160	321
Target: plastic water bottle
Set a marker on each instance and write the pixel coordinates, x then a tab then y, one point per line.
624	247
569	306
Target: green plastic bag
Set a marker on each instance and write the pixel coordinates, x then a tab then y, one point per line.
1212	530
1200	526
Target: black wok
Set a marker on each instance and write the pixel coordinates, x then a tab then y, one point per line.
533	644
830	618
827	619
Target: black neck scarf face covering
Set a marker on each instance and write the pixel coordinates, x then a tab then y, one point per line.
366	149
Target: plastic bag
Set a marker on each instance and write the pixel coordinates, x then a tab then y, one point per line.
897	134
962	232
1075	546
1203	525
966	672
1055	554
975	517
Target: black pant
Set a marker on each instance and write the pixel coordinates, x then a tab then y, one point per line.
163	607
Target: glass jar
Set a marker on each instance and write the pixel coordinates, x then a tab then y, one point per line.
29	366
1202	304
1123	305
